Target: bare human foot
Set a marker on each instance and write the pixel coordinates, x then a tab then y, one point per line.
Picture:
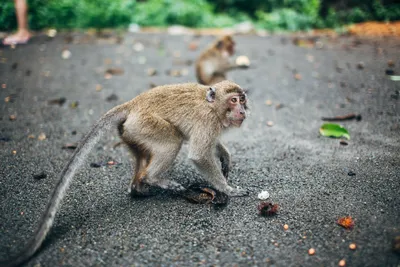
20	37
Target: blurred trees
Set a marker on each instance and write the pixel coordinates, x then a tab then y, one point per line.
268	14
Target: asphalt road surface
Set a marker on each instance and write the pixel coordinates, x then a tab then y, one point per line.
306	174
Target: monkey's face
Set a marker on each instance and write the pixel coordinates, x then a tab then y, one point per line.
236	109
226	45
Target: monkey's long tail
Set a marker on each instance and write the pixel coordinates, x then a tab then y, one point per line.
115	116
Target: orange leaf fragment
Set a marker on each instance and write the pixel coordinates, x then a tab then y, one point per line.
346	222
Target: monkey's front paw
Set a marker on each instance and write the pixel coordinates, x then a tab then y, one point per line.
139	191
238	192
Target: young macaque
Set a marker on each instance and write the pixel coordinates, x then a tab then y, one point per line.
214	62
154	125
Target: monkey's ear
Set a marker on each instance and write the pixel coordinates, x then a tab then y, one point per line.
220	45
211	95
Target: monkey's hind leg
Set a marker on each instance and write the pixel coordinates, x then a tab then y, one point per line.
163	155
141	161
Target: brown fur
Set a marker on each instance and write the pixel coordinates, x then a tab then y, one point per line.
213	63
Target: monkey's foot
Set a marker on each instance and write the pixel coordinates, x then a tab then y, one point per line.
238	192
139	191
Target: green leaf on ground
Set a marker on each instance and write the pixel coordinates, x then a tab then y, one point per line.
395	78
334	130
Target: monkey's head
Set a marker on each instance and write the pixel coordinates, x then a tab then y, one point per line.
229	101
227	44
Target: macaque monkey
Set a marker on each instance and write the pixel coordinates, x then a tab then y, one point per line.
154	125
214	62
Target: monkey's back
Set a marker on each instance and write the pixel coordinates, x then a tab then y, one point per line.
181	105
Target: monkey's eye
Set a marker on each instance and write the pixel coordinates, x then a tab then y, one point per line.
242	99
233	99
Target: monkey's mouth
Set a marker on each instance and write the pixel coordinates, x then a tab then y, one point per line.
238	122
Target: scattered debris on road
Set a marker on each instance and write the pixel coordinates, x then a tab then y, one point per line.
39	176
71	146
350	116
58	101
267	208
346	222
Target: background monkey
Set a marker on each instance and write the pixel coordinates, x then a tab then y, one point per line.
213	63
153	125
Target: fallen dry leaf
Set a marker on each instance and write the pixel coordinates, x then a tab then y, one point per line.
346	222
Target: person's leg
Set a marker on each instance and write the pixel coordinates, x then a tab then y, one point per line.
22	35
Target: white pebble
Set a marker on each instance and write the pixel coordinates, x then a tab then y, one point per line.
263	195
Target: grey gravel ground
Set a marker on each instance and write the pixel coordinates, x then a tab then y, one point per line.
99	224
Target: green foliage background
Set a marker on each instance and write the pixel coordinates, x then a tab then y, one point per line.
271	15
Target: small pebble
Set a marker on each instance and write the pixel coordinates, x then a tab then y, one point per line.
297	76
343	143
311	251
342	263
360	65
66	54
42	136
270	123
263	195
285	227
39	176
352	246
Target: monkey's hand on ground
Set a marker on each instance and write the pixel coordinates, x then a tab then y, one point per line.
238	192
